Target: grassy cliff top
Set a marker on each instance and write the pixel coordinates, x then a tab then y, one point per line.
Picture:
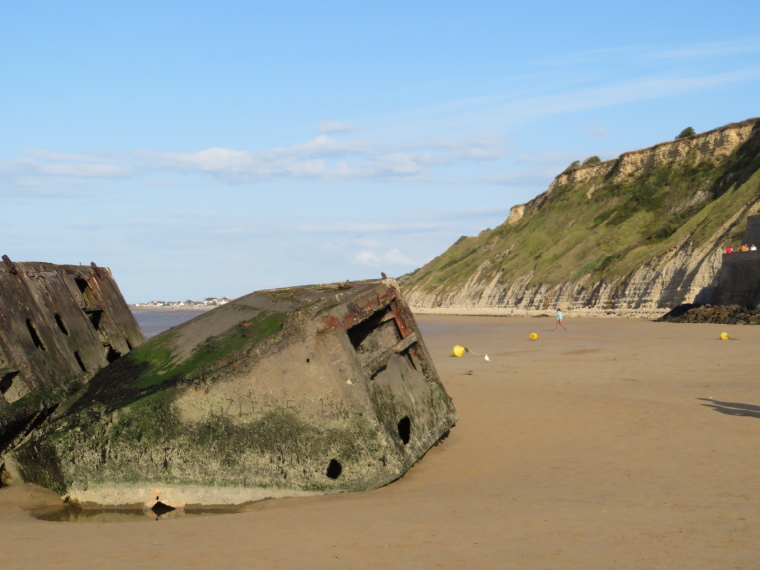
601	222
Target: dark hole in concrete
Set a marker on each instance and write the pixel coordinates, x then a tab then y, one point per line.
417	362
111	353
161	509
378	371
7	381
82	284
79	360
95	315
35	337
61	326
334	469
307	361
411	354
359	333
405	429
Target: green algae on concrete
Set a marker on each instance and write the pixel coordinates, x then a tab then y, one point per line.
289	392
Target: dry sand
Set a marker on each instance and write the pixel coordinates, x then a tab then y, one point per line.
618	444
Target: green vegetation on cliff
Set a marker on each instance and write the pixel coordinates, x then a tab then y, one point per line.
601	222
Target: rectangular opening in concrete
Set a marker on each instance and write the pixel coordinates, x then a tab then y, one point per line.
59	322
80	362
371	337
111	353
417	362
85	290
33	333
7	380
82	284
12	387
95	316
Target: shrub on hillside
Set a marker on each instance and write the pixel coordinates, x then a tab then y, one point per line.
687	132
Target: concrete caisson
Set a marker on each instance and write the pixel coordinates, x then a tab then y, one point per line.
285	392
59	325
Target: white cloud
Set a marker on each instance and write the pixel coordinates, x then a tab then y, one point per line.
428	157
381	259
336	127
324	158
70	165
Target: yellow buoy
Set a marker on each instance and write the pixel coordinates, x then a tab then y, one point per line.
533	336
724	336
458	350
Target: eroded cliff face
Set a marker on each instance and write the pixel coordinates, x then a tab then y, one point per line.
685	275
681	268
712	145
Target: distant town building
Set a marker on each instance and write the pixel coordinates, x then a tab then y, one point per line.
207	302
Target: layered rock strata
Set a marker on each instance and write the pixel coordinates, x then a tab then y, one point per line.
647	230
684	274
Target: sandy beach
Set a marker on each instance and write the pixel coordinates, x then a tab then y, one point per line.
621	443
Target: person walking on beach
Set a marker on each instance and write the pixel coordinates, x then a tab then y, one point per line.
559	320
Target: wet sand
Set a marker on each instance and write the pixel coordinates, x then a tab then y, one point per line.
620	443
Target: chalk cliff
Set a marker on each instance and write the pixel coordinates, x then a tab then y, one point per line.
638	234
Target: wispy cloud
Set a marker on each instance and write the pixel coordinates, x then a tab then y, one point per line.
384	258
639	89
409	146
322	158
607	94
708	50
67	164
588	80
597	133
336	127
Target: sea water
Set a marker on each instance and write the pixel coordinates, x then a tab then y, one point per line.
153	322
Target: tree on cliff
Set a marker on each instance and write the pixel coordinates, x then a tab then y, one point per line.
592	160
687	132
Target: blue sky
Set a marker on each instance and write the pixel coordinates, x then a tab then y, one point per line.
215	148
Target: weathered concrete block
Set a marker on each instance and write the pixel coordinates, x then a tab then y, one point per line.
739	276
284	392
739	279
752	231
59	325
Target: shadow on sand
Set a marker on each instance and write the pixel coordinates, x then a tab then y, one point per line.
732	408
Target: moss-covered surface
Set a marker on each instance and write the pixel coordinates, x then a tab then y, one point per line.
164	365
626	222
147	442
271	405
156	365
